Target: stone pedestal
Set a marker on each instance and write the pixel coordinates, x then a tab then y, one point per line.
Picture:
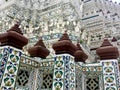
110	74
9	64
64	72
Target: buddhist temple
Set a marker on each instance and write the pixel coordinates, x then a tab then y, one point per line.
59	45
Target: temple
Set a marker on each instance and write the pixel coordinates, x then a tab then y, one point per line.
59	45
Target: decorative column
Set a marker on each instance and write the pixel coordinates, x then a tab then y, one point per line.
12	42
38	50
79	76
12	61
108	55
80	58
64	65
3	61
101	87
64	72
31	81
35	79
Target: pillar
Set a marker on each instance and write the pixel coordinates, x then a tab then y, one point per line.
108	55
35	79
3	61
79	76
10	60
110	74
101	81
38	79
64	72
31	82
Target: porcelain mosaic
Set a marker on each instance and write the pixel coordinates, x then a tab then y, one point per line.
11	69
3	60
92	83
61	74
64	73
109	74
58	76
28	61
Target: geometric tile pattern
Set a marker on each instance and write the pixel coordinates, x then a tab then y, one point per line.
69	73
47	63
3	60
59	70
87	72
117	74
22	78
45	76
64	72
11	69
91	68
28	61
63	76
56	36
92	83
47	81
109	74
40	78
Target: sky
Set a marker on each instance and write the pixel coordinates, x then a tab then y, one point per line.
116	1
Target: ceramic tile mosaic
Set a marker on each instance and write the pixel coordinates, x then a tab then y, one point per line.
3	60
29	61
91	68
78	79
23	77
64	73
11	69
92	83
109	74
58	35
117	73
47	81
47	64
69	73
1	54
58	76
84	71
